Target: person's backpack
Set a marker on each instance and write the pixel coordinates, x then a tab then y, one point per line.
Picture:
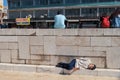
105	22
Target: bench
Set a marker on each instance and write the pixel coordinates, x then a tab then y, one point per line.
89	21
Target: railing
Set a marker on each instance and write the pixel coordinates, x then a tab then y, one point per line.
72	22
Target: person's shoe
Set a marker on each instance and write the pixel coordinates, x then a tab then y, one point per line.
58	65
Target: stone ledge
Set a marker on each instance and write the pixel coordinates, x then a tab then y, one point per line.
55	70
61	32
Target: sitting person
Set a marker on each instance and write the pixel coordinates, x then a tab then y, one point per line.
76	64
105	21
60	21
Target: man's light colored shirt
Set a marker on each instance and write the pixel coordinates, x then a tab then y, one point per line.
60	21
82	63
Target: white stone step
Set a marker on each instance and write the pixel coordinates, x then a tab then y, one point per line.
55	70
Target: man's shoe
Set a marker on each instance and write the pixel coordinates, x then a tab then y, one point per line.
58	65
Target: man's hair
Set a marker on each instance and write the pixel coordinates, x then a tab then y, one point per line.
58	12
93	67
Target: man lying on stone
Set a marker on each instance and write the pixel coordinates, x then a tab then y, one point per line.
77	64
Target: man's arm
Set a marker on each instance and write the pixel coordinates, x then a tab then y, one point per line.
73	70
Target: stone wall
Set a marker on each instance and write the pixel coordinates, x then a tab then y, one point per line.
50	46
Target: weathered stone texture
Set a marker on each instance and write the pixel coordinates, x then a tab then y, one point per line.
24	47
91	32
26	68
12	45
68	41
113	57
67	50
42	32
26	32
116	41
36	40
66	32
49	45
100	41
14	54
37	50
3	46
8	39
5	56
17	61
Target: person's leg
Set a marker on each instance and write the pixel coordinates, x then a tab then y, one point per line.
71	65
117	22
67	66
63	65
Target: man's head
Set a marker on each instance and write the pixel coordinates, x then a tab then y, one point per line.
91	67
58	12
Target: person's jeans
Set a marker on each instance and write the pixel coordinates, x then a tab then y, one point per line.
117	22
68	66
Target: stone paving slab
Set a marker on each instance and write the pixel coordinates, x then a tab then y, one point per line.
14	75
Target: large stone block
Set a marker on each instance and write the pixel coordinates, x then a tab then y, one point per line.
17	61
70	41
87	72
26	68
9	32
49	45
53	60
44	32
36	40
116	41
113	57
100	41
24	32
44	69
112	32
91	32
66	32
8	39
12	45
84	41
100	62
67	50
66	40
37	50
33	62
35	57
89	51
109	73
4	66
102	49
108	32
24	51
4	46
5	56
14	54
44	62
48	69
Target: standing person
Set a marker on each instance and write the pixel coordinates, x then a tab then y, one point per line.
77	64
59	21
105	21
115	18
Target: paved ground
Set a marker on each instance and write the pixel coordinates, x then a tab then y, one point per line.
9	75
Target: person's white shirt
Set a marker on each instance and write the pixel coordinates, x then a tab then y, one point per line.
59	21
82	63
